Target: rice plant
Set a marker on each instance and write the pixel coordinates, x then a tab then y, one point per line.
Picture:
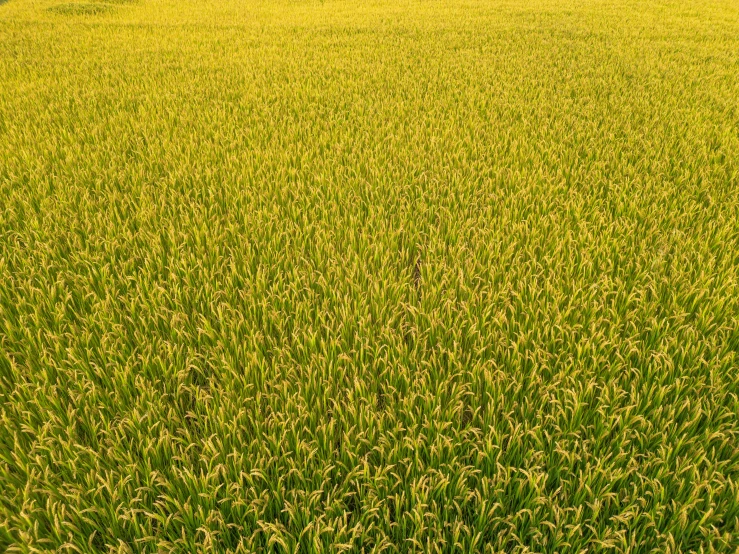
369	276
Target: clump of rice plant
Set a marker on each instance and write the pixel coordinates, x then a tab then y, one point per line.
80	9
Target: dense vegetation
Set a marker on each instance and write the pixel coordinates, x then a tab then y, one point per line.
369	276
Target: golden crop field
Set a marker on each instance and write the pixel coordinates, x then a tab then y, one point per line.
369	276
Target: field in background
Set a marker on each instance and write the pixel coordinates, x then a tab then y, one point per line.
369	276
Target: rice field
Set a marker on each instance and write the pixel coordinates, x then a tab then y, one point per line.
369	276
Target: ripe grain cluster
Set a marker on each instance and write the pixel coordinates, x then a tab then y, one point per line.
369	276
